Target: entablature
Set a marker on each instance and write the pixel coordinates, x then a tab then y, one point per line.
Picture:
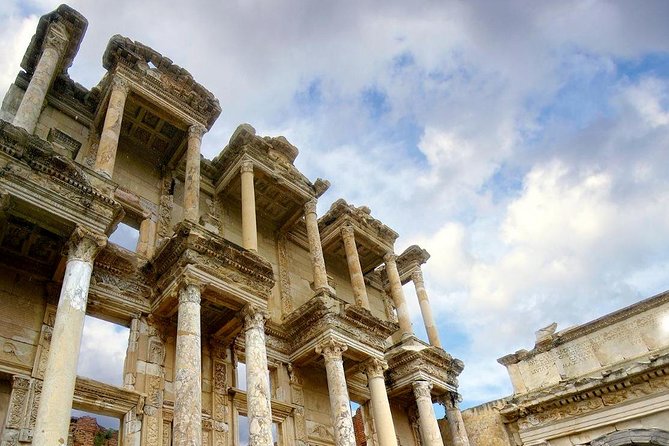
230	276
412	360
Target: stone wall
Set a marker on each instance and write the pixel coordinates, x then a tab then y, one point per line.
485	426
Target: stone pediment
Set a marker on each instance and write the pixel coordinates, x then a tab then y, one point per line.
75	25
159	76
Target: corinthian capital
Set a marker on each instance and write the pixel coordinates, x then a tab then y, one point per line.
196	131
56	38
85	245
254	318
422	389
374	367
331	349
347	231
417	277
310	206
390	258
247	166
120	84
190	292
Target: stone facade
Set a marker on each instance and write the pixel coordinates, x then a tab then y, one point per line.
233	265
602	383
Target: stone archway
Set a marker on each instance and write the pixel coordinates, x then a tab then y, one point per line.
646	437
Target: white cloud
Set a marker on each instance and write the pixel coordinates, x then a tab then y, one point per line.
103	350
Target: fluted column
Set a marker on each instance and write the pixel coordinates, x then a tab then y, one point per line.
53	414
425	309
354	268
340	405
54	45
249	228
257	379
188	370
192	177
315	248
111	129
455	422
383	418
429	429
397	293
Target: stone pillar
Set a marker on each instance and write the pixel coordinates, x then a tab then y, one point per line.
354	269
429	429
425	309
397	293
111	130
315	248
192	177
383	419
187	421
340	405
54	45
257	379
455	421
249	228
53	415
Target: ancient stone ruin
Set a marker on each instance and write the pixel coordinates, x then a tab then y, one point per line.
232	266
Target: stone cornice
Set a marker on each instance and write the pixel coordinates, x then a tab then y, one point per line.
106	399
75	25
168	77
579	331
360	217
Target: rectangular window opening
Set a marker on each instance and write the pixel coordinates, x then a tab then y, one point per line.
126	235
91	429
103	350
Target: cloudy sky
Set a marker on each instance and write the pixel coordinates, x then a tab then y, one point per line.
524	144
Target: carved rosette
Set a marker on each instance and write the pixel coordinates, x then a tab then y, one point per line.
331	349
374	368
85	245
422	390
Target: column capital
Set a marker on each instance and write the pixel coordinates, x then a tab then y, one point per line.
331	349
374	368
310	206
56	38
253	317
190	291
422	389
247	166
196	131
390	258
450	400
85	245
120	84
347	231
417	277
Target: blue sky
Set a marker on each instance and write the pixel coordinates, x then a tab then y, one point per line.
523	144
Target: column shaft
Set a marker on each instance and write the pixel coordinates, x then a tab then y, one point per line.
383	418
354	268
111	130
31	105
397	293
425	309
456	423
249	228
192	177
315	248
188	370
53	415
429	429
340	405
257	379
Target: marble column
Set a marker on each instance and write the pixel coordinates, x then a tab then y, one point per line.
257	379
315	248
187	421
429	429
111	129
53	48
397	293
383	418
425	309
340	405
249	228
455	422
192	177
354	268
53	415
